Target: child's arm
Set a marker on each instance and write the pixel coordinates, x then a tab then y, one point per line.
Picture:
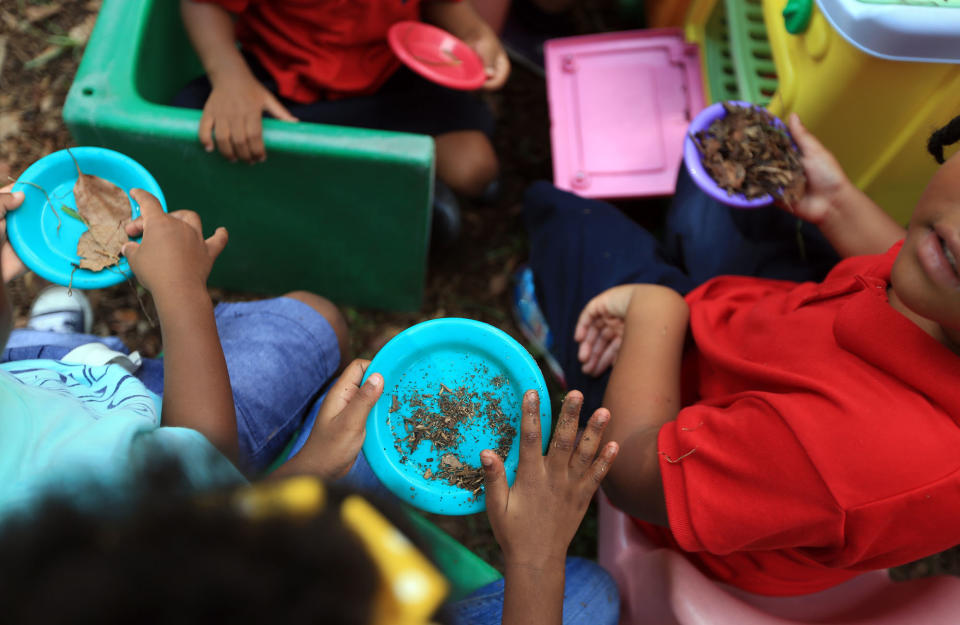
173	262
643	327
851	221
461	20
233	112
535	519
340	428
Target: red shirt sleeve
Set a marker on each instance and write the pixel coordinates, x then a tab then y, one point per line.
735	479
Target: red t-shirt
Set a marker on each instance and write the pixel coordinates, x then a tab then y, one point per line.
321	49
819	438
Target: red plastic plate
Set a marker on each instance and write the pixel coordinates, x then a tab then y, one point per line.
437	55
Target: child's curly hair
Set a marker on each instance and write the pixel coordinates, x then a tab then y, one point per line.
948	135
166	559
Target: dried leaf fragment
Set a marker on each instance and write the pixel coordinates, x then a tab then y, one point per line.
105	208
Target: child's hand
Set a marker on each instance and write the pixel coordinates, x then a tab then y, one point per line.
494	57
825	177
338	433
234	115
600	328
342	419
535	519
9	261
173	255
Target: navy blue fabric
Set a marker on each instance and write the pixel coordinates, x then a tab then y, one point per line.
581	247
407	102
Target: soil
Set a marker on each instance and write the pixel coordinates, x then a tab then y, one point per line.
439	419
745	153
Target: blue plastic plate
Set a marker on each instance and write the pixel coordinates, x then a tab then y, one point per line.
455	353
32	228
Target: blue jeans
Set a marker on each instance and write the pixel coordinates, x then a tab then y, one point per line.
581	247
280	354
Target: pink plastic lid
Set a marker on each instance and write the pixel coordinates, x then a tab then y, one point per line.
620	105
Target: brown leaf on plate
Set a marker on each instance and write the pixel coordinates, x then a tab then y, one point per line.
105	208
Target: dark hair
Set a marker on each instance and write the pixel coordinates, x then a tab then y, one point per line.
948	135
168	558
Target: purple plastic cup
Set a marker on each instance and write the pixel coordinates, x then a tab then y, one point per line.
691	158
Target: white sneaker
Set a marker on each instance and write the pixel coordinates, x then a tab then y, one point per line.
57	309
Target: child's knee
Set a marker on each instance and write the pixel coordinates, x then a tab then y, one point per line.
466	161
329	311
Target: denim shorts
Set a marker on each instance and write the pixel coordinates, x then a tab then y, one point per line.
281	355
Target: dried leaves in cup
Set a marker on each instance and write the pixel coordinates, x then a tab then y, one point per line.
744	152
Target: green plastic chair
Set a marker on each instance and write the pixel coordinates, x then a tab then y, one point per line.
465	570
340	211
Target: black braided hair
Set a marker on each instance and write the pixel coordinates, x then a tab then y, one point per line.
948	135
165	559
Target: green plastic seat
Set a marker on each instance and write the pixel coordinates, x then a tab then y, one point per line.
340	211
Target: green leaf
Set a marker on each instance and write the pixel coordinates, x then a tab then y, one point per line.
69	211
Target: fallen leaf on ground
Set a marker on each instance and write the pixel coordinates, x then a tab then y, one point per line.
38	13
81	32
3	53
9	125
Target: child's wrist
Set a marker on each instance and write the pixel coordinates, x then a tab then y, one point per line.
174	296
534	565
838	201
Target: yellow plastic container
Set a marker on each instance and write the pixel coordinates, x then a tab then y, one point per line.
874	114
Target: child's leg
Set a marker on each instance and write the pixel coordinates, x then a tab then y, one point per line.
590	597
579	248
709	239
280	354
466	161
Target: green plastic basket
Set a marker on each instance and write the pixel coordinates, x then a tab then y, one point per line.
739	61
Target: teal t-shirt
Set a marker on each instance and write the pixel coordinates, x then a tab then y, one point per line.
65	426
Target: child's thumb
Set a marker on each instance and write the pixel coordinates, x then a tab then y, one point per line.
355	414
803	137
130	248
278	110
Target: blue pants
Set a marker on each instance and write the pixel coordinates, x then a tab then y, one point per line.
581	247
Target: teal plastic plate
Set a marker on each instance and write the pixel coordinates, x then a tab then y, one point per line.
418	366
51	252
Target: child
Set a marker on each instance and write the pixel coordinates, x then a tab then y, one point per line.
293	551
329	62
788	436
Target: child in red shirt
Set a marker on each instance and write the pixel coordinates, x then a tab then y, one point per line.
328	61
787	436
